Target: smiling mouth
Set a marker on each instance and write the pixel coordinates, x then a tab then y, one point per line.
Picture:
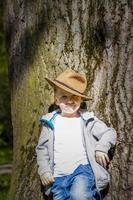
70	105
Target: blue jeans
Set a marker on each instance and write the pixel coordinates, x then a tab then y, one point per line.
80	185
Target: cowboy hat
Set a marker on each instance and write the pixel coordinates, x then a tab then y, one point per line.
72	82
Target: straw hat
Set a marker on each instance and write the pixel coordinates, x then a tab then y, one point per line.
72	82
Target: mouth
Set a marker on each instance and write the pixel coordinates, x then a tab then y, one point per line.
70	105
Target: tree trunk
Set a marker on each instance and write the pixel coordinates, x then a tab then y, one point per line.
45	37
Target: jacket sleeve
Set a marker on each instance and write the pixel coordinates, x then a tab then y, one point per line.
42	152
106	136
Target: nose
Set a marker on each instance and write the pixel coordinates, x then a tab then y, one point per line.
70	99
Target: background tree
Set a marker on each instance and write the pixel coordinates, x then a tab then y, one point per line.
45	37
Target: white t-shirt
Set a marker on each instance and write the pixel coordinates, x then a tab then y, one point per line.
69	151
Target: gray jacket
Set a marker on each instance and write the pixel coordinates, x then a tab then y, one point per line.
96	136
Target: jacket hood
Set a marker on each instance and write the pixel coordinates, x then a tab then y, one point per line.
48	119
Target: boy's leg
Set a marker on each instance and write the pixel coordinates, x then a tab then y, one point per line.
83	184
57	189
82	189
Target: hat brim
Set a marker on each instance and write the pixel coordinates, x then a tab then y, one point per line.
61	86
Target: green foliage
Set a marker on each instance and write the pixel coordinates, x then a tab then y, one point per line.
4	186
5	121
6	155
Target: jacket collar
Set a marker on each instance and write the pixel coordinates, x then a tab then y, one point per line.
48	119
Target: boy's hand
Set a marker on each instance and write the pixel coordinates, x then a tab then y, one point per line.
102	158
47	178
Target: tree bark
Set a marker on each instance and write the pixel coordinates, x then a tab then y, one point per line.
45	37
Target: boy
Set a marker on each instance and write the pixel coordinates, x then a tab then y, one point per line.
72	152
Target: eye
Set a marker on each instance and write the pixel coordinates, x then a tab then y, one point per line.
75	97
64	97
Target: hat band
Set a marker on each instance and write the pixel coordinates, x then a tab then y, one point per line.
68	87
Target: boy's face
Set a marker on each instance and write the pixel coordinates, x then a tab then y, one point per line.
68	103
